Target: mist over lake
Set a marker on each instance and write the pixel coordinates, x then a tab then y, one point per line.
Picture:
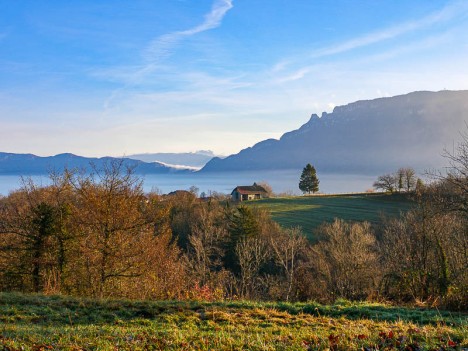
284	181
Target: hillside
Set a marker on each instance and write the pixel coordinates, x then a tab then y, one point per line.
35	322
309	212
369	136
29	164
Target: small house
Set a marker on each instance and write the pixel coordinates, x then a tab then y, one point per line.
246	192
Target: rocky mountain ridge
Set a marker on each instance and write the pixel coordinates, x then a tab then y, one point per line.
363	137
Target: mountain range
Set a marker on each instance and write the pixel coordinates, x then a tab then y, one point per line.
29	164
364	137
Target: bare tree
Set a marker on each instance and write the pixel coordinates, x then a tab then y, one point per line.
409	178
267	187
346	259
455	181
425	254
386	182
206	245
402	179
251	253
287	247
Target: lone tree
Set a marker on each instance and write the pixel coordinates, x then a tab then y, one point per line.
387	182
309	182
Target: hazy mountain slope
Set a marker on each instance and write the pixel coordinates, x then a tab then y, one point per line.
28	164
364	137
191	159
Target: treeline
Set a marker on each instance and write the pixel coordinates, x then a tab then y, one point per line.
404	179
100	235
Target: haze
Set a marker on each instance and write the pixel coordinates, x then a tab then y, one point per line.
118	78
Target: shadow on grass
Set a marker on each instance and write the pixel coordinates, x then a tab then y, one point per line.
46	310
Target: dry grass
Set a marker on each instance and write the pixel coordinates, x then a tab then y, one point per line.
34	322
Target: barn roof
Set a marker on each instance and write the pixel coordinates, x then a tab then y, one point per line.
249	189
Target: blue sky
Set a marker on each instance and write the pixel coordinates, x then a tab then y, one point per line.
120	77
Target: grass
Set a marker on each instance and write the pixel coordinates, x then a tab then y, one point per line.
309	212
35	322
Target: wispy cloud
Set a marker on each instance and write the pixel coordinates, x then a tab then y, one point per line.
299	74
411	46
162	47
448	12
159	49
289	70
280	66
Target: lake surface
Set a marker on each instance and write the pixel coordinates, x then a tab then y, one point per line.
285	181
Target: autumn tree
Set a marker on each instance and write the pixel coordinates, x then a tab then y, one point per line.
33	229
26	232
345	260
309	182
119	241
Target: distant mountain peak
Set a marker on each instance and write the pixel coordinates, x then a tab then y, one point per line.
29	164
188	160
366	136
205	152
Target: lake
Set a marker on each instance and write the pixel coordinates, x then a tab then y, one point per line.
284	181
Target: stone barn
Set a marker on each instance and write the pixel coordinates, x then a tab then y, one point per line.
248	192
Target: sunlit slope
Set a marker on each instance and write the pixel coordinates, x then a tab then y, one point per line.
309	212
364	137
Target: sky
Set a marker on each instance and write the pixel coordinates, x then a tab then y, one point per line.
114	78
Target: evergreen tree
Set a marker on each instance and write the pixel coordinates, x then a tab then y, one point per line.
242	225
44	220
309	182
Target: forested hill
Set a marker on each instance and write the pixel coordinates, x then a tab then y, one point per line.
365	137
29	164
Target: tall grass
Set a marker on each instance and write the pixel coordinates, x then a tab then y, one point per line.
35	322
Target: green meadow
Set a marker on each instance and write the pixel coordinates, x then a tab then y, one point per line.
39	323
309	212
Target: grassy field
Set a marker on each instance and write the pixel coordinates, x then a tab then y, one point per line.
309	212
34	322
